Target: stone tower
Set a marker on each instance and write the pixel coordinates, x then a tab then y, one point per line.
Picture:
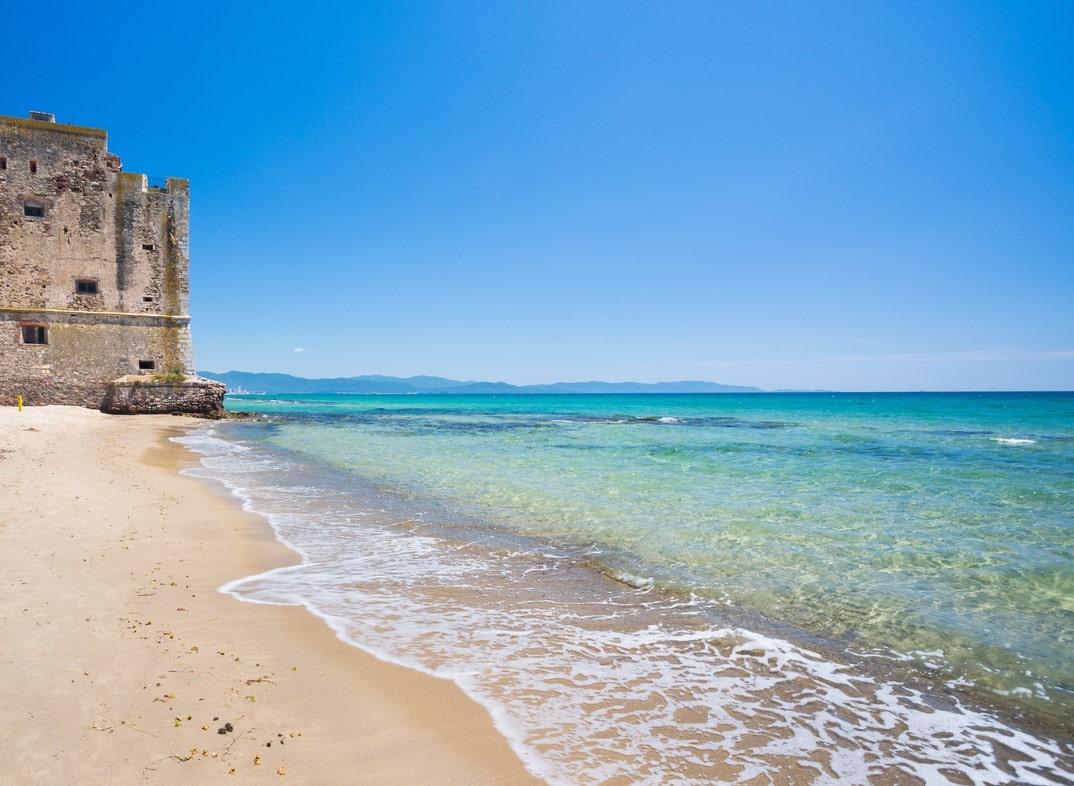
94	276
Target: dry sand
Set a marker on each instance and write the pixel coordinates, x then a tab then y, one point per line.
121	661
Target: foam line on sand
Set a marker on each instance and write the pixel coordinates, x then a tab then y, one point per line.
122	662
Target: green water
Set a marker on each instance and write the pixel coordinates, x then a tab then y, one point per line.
695	588
938	528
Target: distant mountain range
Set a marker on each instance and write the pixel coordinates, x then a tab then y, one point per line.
251	382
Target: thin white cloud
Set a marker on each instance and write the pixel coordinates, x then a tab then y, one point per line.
950	356
301	349
959	356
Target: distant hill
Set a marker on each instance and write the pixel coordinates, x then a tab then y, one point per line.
253	382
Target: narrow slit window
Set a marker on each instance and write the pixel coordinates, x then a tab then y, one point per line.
34	334
33	210
149	247
147	365
33	166
147	299
86	286
3	162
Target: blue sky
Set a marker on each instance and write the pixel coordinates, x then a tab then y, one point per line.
855	196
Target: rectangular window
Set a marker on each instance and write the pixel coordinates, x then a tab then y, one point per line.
34	334
147	365
148	246
33	210
3	162
147	299
33	166
86	286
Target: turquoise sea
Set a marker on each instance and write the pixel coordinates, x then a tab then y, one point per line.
867	588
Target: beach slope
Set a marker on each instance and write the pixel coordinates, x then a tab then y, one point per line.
124	664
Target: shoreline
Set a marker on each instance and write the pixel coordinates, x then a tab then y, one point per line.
588	675
124	659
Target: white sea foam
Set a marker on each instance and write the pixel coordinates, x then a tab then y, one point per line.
636	686
1014	441
631	580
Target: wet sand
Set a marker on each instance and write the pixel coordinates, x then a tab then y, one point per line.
123	663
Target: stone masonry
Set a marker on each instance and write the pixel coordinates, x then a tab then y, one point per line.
94	271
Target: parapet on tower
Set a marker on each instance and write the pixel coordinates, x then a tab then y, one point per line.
94	277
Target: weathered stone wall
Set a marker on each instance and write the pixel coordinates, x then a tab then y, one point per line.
97	257
140	396
151	245
84	353
67	172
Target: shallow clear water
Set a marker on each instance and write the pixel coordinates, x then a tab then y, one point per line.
681	588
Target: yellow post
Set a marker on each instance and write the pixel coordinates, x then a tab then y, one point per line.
19	399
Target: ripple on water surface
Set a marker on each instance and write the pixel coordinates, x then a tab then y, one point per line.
592	678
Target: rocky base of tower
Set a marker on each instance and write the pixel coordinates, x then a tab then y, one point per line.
140	395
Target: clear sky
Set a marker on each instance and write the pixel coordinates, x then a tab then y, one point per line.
852	195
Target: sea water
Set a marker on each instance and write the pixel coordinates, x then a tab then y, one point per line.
859	588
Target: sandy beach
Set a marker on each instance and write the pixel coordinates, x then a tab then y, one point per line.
123	663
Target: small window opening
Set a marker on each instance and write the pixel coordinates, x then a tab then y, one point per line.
147	365
147	299
149	246
33	166
86	286
3	162
34	334
33	210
